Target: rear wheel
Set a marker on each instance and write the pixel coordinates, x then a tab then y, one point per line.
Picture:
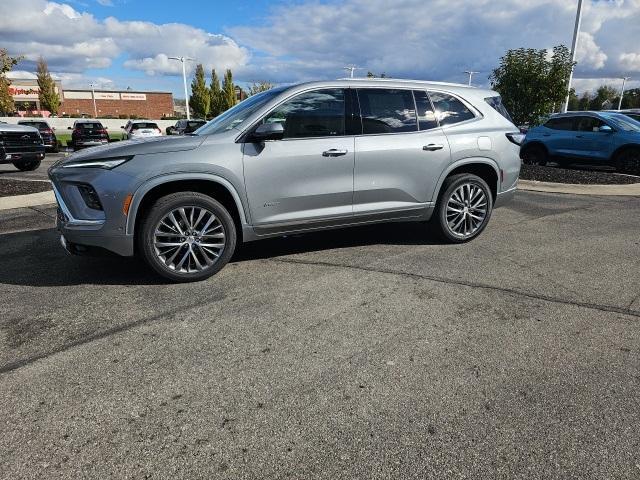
187	236
27	166
628	161
463	209
535	155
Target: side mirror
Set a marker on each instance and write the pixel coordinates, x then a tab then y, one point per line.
122	127
267	131
605	129
69	128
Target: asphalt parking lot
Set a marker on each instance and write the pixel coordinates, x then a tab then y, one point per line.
365	353
9	171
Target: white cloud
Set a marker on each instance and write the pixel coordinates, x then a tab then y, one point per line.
630	61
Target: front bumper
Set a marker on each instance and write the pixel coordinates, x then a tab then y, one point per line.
84	230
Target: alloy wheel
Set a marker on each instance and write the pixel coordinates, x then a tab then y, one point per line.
466	210
189	239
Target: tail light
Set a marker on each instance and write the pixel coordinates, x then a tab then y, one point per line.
76	131
102	131
516	137
47	131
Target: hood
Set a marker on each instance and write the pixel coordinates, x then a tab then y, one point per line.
11	127
141	146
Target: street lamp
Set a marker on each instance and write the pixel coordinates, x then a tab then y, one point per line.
184	60
93	96
624	80
351	69
576	32
470	73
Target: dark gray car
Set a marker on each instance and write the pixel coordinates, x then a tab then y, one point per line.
294	159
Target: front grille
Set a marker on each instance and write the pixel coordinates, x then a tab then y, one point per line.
20	139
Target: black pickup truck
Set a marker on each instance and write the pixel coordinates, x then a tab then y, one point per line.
21	145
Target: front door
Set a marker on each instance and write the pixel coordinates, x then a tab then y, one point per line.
306	176
590	142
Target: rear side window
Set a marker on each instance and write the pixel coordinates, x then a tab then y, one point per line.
498	106
562	123
387	111
320	113
450	110
426	115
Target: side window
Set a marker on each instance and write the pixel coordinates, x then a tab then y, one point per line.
562	123
387	111
449	109
311	114
587	124
426	115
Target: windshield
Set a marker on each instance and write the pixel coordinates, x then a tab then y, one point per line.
235	117
624	123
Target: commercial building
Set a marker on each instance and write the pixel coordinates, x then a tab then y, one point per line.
94	103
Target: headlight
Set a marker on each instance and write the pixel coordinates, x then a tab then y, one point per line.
106	163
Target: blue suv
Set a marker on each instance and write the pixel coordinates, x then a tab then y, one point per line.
585	137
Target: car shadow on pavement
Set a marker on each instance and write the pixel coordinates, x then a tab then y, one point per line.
35	258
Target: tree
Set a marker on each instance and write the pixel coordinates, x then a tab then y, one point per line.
260	86
216	95
200	100
574	101
49	98
583	103
6	64
228	90
605	98
530	82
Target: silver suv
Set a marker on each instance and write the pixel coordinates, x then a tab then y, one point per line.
294	159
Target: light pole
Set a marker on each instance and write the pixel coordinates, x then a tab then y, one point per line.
470	73
624	80
184	60
93	96
351	69
576	32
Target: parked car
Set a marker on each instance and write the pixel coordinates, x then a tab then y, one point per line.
185	127
141	129
605	138
88	133
46	132
295	159
21	145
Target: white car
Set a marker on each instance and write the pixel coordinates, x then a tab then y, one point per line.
141	129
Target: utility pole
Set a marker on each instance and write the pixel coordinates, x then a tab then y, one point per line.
351	69
93	96
184	60
624	80
574	44
470	73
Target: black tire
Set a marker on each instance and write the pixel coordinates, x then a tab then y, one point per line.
27	166
163	207
628	161
439	222
56	148
535	155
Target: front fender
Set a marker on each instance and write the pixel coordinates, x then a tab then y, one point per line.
146	187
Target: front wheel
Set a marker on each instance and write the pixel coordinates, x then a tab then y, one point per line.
628	161
187	236
463	209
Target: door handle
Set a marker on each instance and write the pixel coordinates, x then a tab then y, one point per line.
579	136
334	152
433	147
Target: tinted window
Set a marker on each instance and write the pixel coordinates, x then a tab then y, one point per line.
89	126
311	114
137	126
498	106
587	124
449	109
426	115
39	125
562	123
387	111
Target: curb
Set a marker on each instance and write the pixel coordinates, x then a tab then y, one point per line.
630	190
30	200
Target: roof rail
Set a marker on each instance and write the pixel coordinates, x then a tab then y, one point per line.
406	80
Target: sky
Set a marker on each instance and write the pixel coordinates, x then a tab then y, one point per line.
126	43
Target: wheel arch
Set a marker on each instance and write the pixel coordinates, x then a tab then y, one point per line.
213	185
623	148
485	168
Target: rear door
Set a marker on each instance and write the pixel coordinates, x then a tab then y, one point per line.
400	155
559	136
